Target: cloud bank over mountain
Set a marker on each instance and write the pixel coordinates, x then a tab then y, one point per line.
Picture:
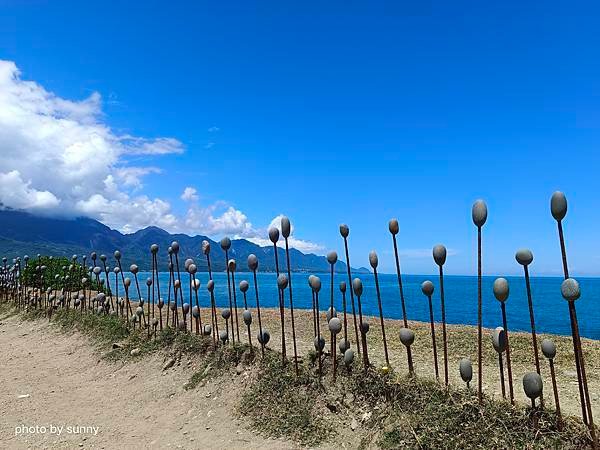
61	158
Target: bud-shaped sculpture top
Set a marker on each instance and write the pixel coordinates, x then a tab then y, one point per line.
570	289
127	282
192	269
274	234
466	370
427	288
244	286
344	230
501	289
439	255
286	227
499	339
210	285
170	250
558	206
357	286
310	280
231	265
343	286
479	213
154	249
103	258
175	247
332	257
252	262
393	226
205	247
148	281
93	255
187	263
225	243
134	269
532	385
524	256
316	284
373	259
407	336
548	348
282	281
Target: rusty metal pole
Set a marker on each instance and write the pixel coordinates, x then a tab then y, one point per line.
479	215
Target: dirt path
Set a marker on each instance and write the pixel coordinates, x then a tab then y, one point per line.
72	386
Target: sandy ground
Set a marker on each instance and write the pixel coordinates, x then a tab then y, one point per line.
136	405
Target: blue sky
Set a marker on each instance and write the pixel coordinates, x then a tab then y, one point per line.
352	112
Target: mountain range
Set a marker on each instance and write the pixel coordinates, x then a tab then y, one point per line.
22	233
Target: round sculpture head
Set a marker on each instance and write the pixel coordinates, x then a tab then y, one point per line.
558	206
373	259
244	286
226	243
407	336
286	227
117	255
548	348
139	311
196	284
344	230
330	314
499	339
252	262
319	343
192	269
427	288
148	282
93	256
210	285
247	316
348	357
117	270
263	338
501	289
127	282
364	327
532	385
134	269
231	265
154	249
187	263
205	247
195	312
226	314
273	234
570	289
466	370
343	345
161	303
103	258
332	257
186	308
207	330
357	287
439	254
97	270
394	226
343	286
223	336
316	284
175	247
282	281
335	325
479	213
524	256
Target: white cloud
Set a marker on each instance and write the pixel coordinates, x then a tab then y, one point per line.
189	194
59	157
209	145
260	237
213	129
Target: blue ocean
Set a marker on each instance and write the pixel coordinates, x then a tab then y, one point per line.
551	310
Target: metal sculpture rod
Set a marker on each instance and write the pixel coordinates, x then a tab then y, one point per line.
479	215
525	257
231	265
394	228
374	261
558	208
286	230
549	351
253	266
226	245
316	285
427	289
439	256
213	306
357	286
501	292
345	231
274	237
